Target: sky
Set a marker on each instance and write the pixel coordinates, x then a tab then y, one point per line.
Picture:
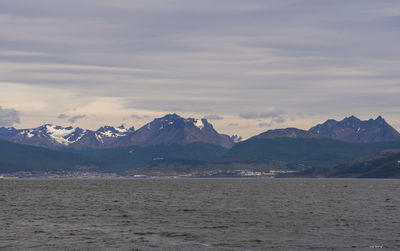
247	66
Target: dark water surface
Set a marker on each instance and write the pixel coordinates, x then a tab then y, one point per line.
200	214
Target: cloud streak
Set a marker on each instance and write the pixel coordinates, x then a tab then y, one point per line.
225	57
140	117
261	115
62	116
9	117
272	122
213	117
73	119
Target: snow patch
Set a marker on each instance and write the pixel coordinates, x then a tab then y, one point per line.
60	134
121	129
199	124
30	134
109	134
99	138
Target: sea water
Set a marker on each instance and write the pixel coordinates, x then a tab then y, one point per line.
200	214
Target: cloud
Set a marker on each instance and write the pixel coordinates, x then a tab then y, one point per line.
213	117
261	115
279	120
62	116
140	117
273	122
73	119
184	56
9	117
268	124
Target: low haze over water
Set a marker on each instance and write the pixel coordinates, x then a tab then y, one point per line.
200	214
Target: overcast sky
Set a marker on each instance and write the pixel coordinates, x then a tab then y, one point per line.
248	65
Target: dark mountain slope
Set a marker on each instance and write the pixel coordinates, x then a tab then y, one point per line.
305	151
16	157
286	133
124	158
383	165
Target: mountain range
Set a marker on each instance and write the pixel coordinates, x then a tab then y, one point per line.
56	137
176	142
170	129
350	129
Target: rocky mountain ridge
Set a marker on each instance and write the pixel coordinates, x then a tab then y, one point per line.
350	129
174	129
170	129
56	137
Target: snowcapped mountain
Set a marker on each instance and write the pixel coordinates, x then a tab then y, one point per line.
173	129
55	137
109	136
170	129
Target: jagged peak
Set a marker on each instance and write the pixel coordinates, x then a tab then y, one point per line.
351	118
171	119
236	138
105	127
379	118
206	123
171	116
120	128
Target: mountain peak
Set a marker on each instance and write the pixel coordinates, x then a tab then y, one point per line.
174	129
352	118
171	116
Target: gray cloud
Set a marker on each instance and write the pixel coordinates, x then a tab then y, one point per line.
213	117
140	117
207	56
268	124
261	115
273	122
62	116
73	119
9	117
279	120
